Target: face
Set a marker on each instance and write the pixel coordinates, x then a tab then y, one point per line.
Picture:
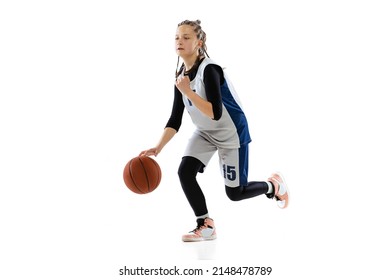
186	42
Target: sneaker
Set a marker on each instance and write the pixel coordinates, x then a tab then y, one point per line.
205	230
281	193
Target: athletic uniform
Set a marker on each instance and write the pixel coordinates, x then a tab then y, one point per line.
227	133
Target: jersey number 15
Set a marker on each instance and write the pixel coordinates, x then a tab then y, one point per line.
229	172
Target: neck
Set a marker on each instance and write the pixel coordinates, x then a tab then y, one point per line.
189	62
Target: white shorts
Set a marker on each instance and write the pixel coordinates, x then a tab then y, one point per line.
233	162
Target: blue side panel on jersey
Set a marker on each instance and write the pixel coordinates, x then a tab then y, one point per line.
243	164
236	114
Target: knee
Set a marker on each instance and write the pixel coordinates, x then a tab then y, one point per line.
188	168
233	193
182	171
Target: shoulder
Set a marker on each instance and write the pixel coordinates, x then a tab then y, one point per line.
213	68
208	66
208	62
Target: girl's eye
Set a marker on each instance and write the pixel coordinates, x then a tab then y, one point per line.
185	38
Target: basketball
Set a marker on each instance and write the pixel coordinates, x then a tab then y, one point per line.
142	175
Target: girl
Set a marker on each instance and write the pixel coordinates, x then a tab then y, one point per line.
207	94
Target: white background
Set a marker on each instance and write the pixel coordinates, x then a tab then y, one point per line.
86	85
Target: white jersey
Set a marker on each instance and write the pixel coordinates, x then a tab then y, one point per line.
231	130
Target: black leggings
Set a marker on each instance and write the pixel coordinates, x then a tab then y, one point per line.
189	168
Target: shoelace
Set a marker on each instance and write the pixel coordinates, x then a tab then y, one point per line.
277	198
201	225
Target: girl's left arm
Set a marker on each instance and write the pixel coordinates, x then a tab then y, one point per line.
183	84
213	79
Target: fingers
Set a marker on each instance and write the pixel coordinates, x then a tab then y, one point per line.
183	84
142	154
150	152
178	81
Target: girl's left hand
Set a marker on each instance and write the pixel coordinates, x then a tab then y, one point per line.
183	84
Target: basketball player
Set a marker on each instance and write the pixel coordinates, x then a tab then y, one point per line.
221	126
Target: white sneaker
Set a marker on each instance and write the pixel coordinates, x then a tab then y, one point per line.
205	230
281	193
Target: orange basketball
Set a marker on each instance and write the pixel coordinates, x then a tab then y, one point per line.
142	175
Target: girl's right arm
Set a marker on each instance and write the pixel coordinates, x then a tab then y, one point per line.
167	135
172	126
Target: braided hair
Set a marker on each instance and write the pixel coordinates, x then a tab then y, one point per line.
200	35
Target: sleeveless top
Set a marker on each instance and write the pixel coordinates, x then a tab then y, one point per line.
231	130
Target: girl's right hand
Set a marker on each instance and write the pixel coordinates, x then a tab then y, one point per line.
150	152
